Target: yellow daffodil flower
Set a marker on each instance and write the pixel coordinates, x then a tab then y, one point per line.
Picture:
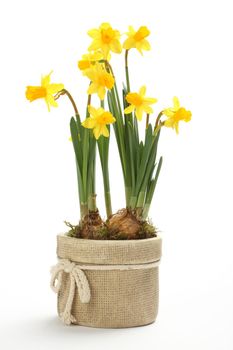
137	39
100	80
139	103
45	91
89	59
176	114
98	120
106	39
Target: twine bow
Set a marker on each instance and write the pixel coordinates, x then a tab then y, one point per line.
77	278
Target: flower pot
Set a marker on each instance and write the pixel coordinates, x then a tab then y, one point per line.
107	283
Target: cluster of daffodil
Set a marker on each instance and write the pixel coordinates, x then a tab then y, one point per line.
138	157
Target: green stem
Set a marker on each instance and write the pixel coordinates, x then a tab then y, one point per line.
103	146
92	193
147	120
141	199
67	93
151	190
91	175
88	104
145	211
85	162
157	120
133	202
128	191
127	71
120	126
107	193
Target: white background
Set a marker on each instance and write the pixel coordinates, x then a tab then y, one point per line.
192	58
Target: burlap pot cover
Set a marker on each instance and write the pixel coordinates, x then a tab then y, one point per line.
123	297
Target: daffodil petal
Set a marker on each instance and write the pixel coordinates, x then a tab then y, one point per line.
105	25
142	91
148	109
129	109
150	100
93	33
106	50
129	43
49	99
101	92
92	111
94	46
104	131
54	88
92	89
138	47
168	112
169	123
100	111
145	45
176	103
89	123
97	131
139	113
45	80
90	73
115	46
131	30
111	119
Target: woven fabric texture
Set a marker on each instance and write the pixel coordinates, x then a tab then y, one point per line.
119	298
109	252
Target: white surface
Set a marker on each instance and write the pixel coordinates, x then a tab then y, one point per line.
192	58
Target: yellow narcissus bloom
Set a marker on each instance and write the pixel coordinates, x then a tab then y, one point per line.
98	120
139	103
176	114
89	59
100	80
106	39
137	39
45	91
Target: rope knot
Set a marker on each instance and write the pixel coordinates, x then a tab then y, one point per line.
77	278
69	266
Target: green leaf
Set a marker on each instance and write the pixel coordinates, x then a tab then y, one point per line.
91	166
79	125
85	159
118	128
144	158
103	146
154	182
78	153
132	153
76	140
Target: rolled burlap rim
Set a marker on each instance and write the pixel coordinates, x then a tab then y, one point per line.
140	251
